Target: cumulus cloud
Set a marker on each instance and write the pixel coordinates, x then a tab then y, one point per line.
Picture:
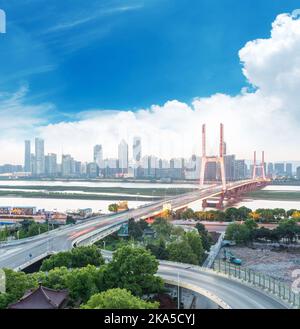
264	117
19	120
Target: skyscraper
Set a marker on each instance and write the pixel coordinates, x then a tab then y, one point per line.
289	169
98	156
123	156
51	164
39	157
279	169
229	161
67	165
27	158
137	149
137	155
240	169
270	169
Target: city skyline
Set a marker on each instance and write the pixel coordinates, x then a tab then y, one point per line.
263	103
136	164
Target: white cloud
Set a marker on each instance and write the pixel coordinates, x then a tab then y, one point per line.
267	118
18	121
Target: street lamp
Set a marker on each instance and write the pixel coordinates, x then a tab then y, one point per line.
178	290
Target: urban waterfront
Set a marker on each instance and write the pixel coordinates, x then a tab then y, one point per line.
53	204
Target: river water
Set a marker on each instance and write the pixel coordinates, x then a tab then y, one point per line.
102	205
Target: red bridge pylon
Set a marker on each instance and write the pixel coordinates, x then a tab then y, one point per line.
260	166
217	159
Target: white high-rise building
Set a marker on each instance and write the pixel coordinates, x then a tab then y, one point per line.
137	149
123	156
27	158
98	156
51	164
137	154
39	157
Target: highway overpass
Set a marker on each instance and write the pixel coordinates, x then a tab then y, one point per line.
20	255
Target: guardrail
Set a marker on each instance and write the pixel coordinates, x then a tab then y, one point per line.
271	285
213	253
99	234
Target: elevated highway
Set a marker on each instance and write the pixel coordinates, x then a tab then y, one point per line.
234	294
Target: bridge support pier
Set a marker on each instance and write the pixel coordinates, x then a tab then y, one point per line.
204	204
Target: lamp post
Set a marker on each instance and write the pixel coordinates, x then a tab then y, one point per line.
178	292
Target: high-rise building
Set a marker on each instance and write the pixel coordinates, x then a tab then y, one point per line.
67	166
78	168
51	164
279	169
92	170
137	155
177	168
298	173
289	169
27	158
240	170
137	149
229	162
39	157
270	171
32	163
123	156
98	156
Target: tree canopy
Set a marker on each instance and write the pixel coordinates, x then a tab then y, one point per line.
77	257
118	299
134	269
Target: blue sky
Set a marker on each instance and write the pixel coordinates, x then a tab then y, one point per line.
72	70
127	54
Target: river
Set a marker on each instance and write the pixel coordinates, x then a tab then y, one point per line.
102	205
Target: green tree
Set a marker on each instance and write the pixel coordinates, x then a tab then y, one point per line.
194	240
81	283
188	214
239	233
77	257
205	236
181	251
232	214
135	230
113	207
162	227
244	212
288	229
118	299
133	268
17	283
158	249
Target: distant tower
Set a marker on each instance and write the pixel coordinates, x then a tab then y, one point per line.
39	157
27	158
260	166
137	154
123	156
98	155
216	159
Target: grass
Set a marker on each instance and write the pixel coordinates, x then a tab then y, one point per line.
56	192
272	195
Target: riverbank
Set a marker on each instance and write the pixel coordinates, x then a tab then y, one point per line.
274	195
136	191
